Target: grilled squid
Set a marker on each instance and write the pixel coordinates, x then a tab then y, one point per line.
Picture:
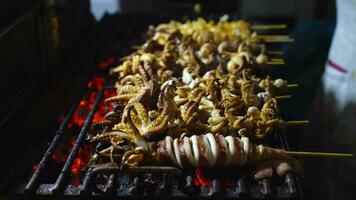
211	151
204	151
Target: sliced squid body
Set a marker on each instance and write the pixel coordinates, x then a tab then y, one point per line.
235	150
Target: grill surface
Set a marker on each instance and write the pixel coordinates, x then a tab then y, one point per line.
151	181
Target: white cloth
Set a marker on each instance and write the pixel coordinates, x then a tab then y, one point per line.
340	73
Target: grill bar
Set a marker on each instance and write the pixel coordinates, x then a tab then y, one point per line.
164	187
33	184
93	171
290	182
266	187
216	188
135	189
241	186
60	184
189	185
110	188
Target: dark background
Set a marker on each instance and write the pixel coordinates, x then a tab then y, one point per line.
48	49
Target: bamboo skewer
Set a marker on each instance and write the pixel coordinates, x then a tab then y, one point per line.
278	40
292	85
275	52
297	123
277	60
273	36
268	26
276	63
283	97
320	154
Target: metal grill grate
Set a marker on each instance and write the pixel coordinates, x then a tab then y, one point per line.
153	181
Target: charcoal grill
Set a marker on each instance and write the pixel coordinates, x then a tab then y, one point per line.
151	181
133	183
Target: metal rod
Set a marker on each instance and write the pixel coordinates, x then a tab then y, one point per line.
86	187
216	188
289	181
189	187
242	188
139	169
154	169
149	184
110	187
136	187
266	187
59	185
94	170
33	184
164	187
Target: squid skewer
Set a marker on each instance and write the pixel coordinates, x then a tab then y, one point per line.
206	151
203	151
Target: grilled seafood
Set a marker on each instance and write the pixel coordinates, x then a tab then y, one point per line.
195	85
205	151
139	120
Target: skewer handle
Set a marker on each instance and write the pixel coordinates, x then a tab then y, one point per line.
275	38
320	154
297	123
292	85
276	63
283	97
275	52
268	26
276	60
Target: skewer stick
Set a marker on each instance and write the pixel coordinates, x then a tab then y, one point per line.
273	36
283	97
292	85
320	154
275	52
277	60
297	123
276	63
271	40
135	47
279	40
268	26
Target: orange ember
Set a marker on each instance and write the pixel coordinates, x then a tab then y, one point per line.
203	179
106	63
200	180
61	154
80	114
87	103
34	167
